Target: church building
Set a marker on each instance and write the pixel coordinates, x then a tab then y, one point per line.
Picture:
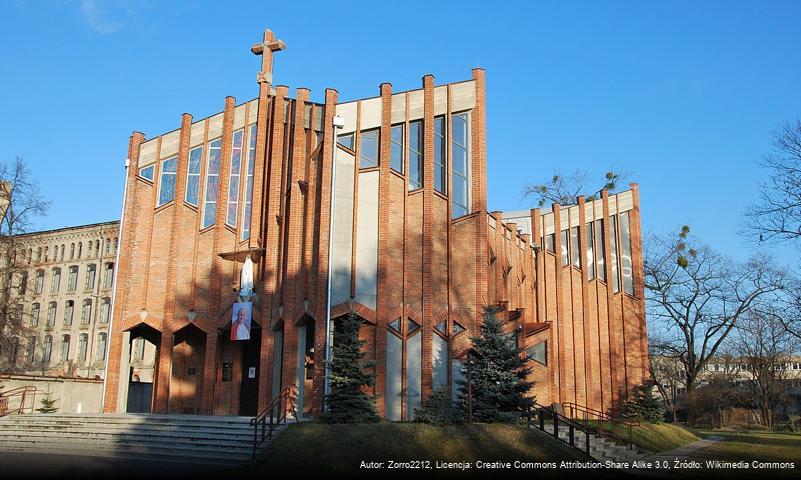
247	234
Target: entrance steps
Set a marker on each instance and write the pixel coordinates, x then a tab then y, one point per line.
601	448
225	441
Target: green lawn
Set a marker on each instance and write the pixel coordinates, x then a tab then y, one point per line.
316	448
656	438
753	445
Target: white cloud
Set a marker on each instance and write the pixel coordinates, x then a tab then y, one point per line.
97	15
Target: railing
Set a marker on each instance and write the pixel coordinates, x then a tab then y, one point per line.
545	414
268	420
618	429
25	398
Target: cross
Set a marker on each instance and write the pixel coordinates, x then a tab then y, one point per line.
266	48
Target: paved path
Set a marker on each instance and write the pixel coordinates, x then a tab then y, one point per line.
685	450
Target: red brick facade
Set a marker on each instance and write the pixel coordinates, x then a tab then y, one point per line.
397	254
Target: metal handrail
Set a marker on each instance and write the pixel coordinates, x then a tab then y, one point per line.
558	418
587	414
22	393
268	420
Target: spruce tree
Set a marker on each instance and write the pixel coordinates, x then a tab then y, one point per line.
48	403
499	375
349	372
643	406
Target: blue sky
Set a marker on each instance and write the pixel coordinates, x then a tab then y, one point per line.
683	95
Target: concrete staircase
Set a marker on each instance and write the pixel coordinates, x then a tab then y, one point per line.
601	448
176	438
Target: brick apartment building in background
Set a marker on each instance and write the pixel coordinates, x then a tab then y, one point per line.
61	301
385	216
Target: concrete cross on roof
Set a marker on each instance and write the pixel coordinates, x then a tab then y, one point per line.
266	48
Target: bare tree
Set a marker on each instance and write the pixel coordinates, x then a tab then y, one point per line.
563	189
20	203
765	347
776	215
666	372
697	297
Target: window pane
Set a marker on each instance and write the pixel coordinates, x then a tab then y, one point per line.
233	179
600	250
625	253
248	199
590	259
440	179
346	141
167	184
396	149
564	240
147	172
549	243
212	183
460	183
415	156
613	247
369	149
575	247
193	175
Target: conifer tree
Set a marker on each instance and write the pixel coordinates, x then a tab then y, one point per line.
499	375
349	372
642	405
48	404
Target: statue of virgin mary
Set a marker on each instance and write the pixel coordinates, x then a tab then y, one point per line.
246	278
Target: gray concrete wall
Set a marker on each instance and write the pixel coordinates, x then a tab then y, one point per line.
71	395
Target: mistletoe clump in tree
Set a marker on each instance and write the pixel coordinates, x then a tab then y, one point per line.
499	375
348	374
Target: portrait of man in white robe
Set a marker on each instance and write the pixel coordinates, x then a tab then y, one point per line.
240	321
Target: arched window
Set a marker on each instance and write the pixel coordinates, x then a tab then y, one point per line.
56	280
31	349
105	310
51	313
91	271
72	284
101	346
65	348
108	279
80	249
83	343
39	285
47	349
35	312
72	251
68	311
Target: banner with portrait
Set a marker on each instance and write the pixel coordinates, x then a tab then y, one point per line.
241	317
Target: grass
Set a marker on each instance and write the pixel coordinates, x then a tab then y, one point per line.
317	448
753	446
655	438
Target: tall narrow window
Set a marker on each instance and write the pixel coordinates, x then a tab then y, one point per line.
549	243
72	285
65	348
368	150
396	148
575	247
233	179
600	249
51	314
193	175
212	183
31	349
86	312
415	155
91	271
39	285
460	183
108	281
23	283
83	343
564	240
590	259
440	154
56	280
625	253
35	312
47	350
105	310
101	346
69	309
248	198
614	259
169	168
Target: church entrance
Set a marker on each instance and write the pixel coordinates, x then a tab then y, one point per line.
143	346
249	385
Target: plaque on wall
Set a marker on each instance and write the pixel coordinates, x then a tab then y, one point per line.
252	372
227	371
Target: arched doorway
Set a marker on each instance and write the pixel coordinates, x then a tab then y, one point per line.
143	343
186	380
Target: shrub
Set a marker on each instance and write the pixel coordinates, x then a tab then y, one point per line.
642	405
438	409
